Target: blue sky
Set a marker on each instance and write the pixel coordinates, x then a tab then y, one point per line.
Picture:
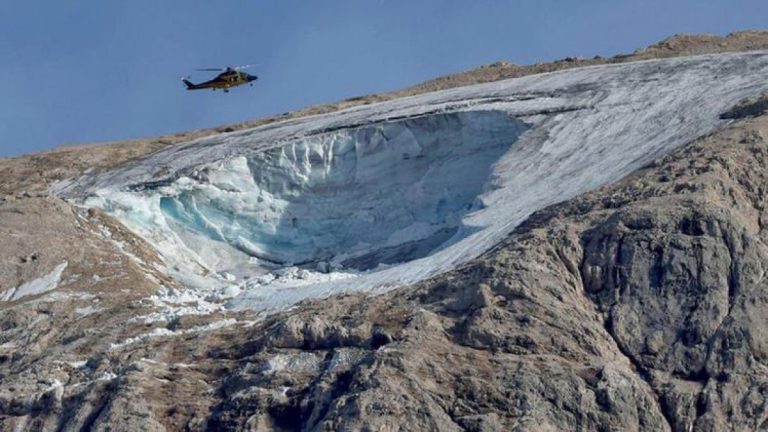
97	71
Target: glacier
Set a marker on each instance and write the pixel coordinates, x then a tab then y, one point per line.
347	193
381	195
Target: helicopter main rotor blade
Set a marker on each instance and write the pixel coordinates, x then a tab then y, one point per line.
210	70
244	66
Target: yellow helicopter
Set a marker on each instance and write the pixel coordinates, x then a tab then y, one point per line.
228	78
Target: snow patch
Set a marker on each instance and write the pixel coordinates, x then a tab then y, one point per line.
174	303
107	376
301	362
163	332
294	277
80	364
40	285
88	310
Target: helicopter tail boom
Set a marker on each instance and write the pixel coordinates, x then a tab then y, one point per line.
190	85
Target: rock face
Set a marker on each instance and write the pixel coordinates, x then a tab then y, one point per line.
640	306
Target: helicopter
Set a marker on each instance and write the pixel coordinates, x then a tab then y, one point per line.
228	78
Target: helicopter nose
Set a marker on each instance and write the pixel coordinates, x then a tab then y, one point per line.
252	78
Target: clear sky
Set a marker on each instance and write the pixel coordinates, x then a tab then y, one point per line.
96	70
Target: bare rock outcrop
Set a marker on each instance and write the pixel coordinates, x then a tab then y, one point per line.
638	307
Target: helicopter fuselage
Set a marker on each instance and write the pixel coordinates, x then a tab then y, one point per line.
223	81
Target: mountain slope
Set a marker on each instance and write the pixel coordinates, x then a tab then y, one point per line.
391	193
639	306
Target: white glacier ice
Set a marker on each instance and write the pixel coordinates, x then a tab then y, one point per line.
37	286
374	194
390	193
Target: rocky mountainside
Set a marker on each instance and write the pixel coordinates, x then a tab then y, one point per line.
638	306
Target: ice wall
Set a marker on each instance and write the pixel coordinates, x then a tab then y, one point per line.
384	193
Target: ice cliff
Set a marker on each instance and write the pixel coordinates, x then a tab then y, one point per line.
391	193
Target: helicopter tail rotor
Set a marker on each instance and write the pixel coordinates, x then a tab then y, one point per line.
190	85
